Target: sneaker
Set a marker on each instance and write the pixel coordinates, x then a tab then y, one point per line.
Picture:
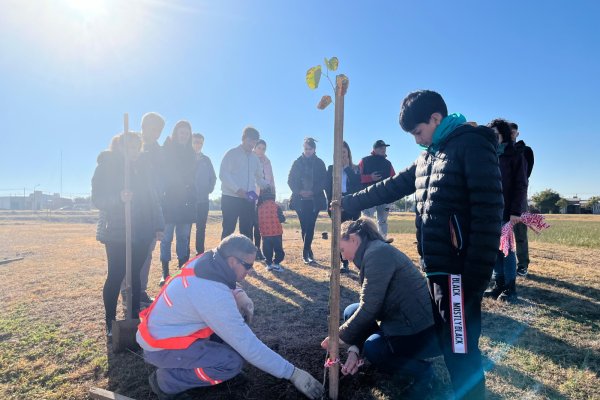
522	271
145	299
153	381
109	330
260	256
277	268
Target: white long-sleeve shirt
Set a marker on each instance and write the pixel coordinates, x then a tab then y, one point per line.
240	170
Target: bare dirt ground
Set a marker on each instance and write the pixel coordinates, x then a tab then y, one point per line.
52	343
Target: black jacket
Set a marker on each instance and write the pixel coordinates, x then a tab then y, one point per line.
513	168
107	184
393	295
459	204
528	154
178	197
311	170
205	178
374	163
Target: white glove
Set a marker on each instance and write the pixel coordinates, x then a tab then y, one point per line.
244	304
306	384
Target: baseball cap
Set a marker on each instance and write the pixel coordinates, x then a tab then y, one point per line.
379	143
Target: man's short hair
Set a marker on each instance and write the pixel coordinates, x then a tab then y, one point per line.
513	125
152	120
418	107
236	245
197	136
251	133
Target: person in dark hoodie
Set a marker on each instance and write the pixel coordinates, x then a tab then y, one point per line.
459	204
307	179
350	184
178	195
147	224
521	229
392	326
205	184
513	168
375	168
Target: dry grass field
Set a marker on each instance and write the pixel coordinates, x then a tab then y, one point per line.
52	343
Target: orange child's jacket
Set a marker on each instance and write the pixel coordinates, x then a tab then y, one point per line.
269	222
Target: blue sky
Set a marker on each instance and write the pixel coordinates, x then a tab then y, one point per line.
69	69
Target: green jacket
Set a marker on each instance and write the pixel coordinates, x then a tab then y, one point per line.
393	295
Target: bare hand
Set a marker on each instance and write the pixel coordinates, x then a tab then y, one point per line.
126	196
335	203
351	365
375	176
325	343
515	219
241	193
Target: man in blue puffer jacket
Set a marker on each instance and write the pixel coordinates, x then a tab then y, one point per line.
458	218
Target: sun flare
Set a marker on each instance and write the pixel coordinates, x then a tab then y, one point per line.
87	9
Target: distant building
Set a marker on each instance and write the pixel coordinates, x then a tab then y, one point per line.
35	201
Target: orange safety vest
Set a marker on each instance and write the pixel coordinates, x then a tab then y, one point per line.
172	343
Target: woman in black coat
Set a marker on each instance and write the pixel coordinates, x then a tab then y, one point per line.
350	184
513	169
307	179
109	196
178	196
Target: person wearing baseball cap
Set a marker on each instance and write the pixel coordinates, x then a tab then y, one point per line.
374	168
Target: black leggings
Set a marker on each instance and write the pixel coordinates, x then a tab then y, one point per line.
115	254
308	218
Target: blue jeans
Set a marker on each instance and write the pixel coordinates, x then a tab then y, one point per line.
402	354
182	244
506	266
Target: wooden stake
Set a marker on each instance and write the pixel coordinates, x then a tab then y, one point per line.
334	280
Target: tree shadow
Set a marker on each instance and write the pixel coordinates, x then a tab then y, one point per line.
563	305
508	332
587	291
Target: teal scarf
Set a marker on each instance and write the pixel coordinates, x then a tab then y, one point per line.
501	148
447	125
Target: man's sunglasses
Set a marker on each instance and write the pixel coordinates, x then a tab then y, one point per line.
246	265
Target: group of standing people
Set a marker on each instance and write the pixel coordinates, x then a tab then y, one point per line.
468	182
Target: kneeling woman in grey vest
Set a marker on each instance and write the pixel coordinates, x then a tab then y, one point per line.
392	326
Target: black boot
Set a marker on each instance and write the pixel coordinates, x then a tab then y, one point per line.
305	256
495	290
509	293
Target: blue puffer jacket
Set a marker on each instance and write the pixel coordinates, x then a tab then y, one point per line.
459	204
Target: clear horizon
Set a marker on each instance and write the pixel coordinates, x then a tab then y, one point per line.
72	68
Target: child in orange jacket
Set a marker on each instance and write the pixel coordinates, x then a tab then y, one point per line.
270	218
